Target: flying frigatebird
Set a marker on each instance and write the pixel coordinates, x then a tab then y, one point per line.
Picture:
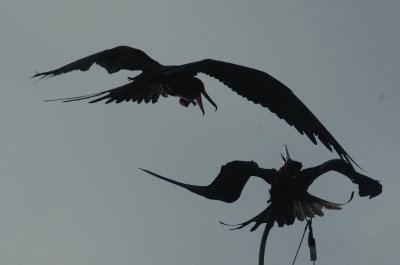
157	80
289	199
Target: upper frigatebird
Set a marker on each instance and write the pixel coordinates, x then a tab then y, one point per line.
289	199
157	80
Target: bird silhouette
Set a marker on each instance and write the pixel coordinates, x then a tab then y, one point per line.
157	80
289	199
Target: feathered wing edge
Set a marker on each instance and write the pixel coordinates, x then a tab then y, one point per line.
366	186
113	60
229	183
134	91
262	88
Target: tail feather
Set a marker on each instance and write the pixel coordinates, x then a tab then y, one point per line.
317	208
285	213
70	99
299	211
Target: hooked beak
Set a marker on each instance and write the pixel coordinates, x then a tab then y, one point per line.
287	156
203	91
200	103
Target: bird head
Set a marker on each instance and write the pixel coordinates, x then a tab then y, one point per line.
290	166
186	102
190	91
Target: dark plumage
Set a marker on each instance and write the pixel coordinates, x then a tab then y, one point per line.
158	80
289	199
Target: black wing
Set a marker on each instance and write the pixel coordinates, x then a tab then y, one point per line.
229	183
113	60
261	88
135	91
366	186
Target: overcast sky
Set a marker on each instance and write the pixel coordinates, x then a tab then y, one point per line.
70	189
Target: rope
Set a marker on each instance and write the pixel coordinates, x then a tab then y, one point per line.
311	242
301	241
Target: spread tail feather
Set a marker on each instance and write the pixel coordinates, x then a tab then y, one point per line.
285	213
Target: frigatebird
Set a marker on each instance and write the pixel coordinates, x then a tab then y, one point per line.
289	199
157	80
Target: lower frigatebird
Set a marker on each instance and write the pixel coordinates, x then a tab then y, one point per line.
157	80
289	199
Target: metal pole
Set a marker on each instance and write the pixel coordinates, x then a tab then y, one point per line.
264	238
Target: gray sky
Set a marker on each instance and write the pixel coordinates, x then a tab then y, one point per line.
70	189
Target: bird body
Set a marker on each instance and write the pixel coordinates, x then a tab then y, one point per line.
289	198
157	80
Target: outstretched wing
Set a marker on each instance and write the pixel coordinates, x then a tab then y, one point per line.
113	60
135	91
366	186
229	183
261	88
